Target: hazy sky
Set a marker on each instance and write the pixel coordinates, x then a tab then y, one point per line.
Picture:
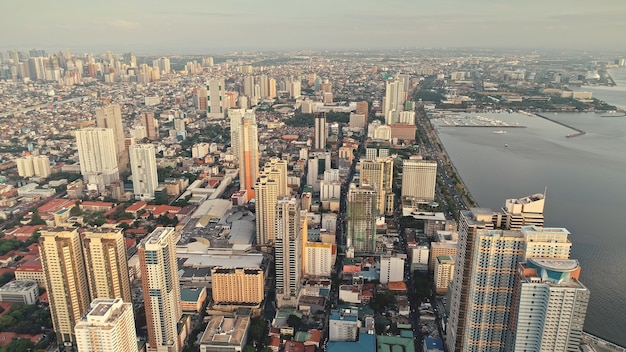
212	25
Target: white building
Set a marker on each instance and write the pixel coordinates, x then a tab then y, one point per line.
343	326
288	251
25	166
392	268
418	179
20	291
144	170
444	273
319	258
200	150
215	95
109	325
98	164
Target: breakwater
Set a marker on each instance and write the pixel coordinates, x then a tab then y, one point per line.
579	132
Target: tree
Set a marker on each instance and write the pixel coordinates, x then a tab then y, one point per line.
18	345
6	277
294	321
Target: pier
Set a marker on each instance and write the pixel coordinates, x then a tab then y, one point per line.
594	343
579	132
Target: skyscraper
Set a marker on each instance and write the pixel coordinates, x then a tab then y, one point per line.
394	97
418	179
549	306
106	264
276	169
110	116
144	170
151	125
215	104
109	325
379	174
361	218
98	164
523	211
66	281
320	131
161	290
288	251
266	191
248	156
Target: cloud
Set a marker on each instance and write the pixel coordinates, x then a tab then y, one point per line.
123	25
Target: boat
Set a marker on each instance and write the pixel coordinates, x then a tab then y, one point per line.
506	145
500	132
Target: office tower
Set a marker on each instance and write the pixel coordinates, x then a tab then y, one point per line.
549	306
161	290
523	211
41	166
358	121
144	170
266	192
470	221
330	186
379	174
110	116
151	125
162	64
287	251
66	281
272	88
443	273
25	167
264	84
317	164
361	218
319	258
418	179
237	285
98	164
394	97
295	89
320	131
235	116
215	96
109	325
106	264
248	155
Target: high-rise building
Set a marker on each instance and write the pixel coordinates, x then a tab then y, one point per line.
418	179
549	306
392	268
97	164
362	108
25	167
66	281
379	174
443	273
272	88
276	169
162	64
215	99
288	251
319	258
106	264
237	285
151	125
266	193
161	290
110	116
144	170
394	96
248	156
320	131
361	218
109	325
523	211
41	166
248	86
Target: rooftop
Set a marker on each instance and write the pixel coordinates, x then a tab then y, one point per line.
18	285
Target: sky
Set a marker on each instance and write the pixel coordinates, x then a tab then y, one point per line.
195	26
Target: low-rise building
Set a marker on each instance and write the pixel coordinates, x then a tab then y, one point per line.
225	334
20	291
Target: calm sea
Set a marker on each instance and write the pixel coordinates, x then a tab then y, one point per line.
585	178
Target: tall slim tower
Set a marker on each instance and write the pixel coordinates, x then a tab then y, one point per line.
276	169
109	325
66	281
379	174
110	116
215	104
266	191
106	263
549	306
248	155
418	179
361	218
144	170
97	164
150	123
394	97
288	250
161	290
320	131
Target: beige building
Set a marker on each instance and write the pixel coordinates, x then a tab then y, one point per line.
237	285
288	251
524	211
225	334
319	258
110	116
109	325
161	289
379	174
444	273
62	260
418	179
106	264
266	190
446	244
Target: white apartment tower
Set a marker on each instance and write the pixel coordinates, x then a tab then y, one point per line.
98	163
109	325
144	170
288	251
418	179
110	116
321	132
215	96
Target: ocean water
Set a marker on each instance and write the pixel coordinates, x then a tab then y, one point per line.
585	178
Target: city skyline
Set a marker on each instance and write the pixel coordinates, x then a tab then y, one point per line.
279	25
